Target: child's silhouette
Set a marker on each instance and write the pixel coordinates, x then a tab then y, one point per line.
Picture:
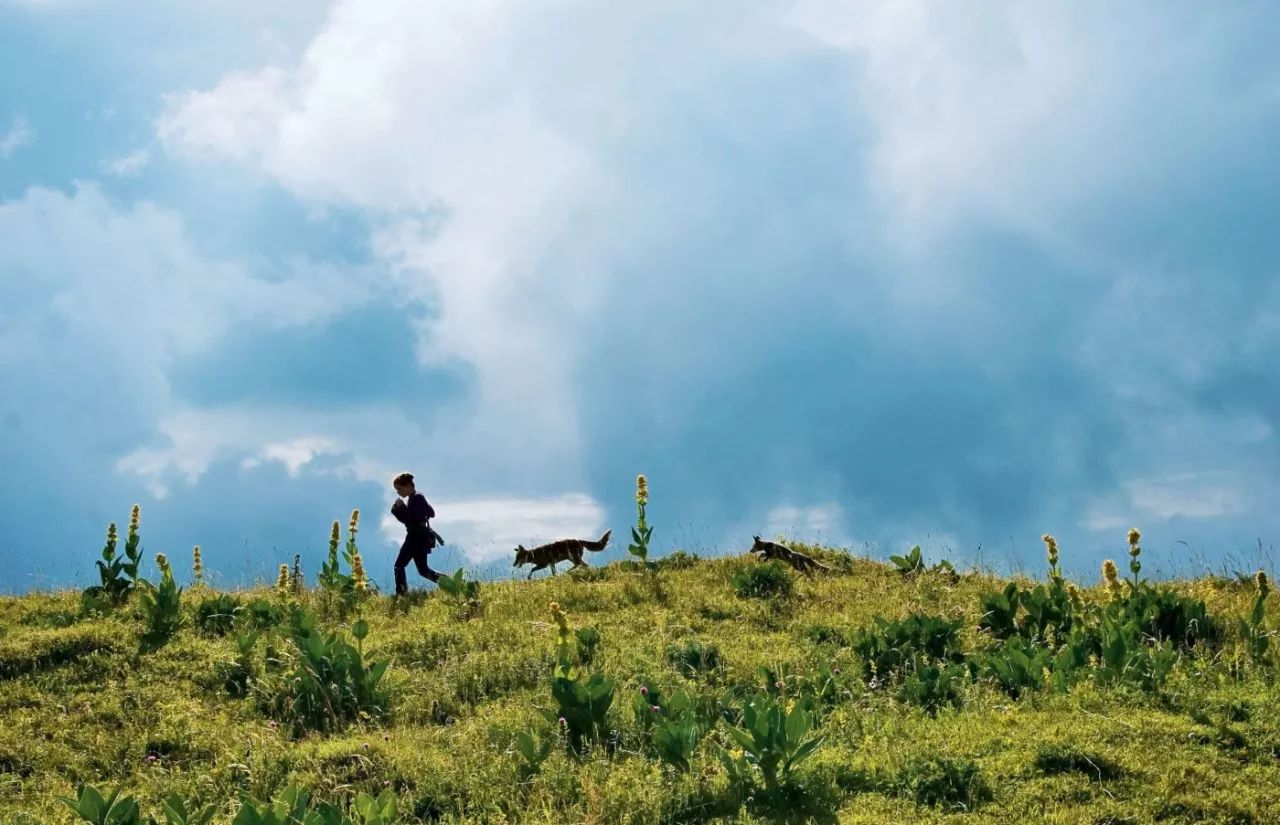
413	512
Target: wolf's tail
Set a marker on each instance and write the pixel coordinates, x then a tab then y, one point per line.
601	544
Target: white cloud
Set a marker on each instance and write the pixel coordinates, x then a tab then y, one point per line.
1186	495
20	134
490	528
128	165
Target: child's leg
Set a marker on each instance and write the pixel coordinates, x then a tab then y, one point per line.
402	561
424	570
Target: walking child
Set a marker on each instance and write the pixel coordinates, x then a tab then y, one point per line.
412	510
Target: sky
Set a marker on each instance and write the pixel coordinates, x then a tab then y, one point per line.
869	274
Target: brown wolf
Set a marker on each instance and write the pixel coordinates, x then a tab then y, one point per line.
558	551
773	550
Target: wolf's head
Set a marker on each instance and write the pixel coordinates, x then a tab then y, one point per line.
757	546
523	556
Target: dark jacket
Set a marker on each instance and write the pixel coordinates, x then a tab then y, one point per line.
414	517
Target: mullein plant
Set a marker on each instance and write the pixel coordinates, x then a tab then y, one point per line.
1135	550
161	606
1257	640
330	572
582	702
1111	576
197	567
642	532
282	582
297	583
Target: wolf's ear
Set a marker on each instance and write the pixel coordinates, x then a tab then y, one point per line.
757	538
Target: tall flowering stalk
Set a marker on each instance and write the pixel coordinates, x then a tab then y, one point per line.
1111	575
132	542
282	582
642	532
1135	550
161	606
197	566
1051	547
296	582
358	579
330	573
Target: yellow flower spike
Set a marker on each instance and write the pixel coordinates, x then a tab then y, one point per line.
163	563
1052	546
135	516
282	582
111	532
1264	587
336	533
357	574
197	564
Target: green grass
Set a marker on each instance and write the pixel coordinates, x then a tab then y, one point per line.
80	704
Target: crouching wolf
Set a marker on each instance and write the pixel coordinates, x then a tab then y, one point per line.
772	550
558	551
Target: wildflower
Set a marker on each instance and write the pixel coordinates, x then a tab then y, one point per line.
1134	538
354	526
644	691
163	563
1073	593
836	671
151	758
1052	544
1264	587
282	581
655	709
1112	577
335	535
563	722
109	552
197	565
296	581
778	685
642	490
359	581
135	516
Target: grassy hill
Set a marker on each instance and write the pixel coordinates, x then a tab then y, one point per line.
953	725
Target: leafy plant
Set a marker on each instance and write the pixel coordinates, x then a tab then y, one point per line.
91	806
889	646
582	700
331	682
692	658
533	751
774	739
642	533
1017	666
216	615
293	807
938	781
763	581
238	673
117	575
161	607
1252	631
674	724
932	685
911	563
261	614
463	592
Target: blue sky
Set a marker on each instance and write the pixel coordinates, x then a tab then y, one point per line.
872	274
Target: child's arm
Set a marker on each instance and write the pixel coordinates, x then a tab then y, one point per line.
400	511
